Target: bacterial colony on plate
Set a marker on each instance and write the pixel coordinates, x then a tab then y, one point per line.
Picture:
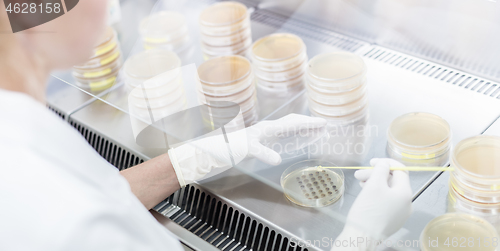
313	187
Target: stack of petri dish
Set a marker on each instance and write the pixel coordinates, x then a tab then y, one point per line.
228	81
475	181
458	231
165	29
419	139
101	71
336	87
153	79
280	63
225	30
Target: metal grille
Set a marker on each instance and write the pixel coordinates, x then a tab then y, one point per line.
199	211
220	224
114	154
432	70
56	111
306	30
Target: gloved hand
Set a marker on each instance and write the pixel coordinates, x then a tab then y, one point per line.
192	161
381	208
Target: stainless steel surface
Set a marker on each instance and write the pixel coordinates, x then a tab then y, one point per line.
398	83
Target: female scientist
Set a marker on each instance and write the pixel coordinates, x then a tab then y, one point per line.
57	193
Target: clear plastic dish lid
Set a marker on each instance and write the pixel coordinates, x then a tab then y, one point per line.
277	47
163	27
338	98
419	135
477	162
306	184
224	18
106	43
228	40
336	66
338	110
479	196
282	75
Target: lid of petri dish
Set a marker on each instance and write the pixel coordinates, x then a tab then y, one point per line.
277	47
358	116
233	97
469	206
108	35
148	64
336	66
225	70
286	75
234	38
223	14
440	232
163	27
100	60
100	71
471	193
230	49
97	84
419	132
107	43
336	98
479	157
338	110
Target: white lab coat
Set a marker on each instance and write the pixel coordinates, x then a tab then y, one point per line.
57	193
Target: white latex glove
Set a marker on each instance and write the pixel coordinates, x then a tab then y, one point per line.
381	208
192	161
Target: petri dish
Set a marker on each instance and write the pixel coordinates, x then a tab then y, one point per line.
226	75
243	34
227	50
158	102
343	120
477	163
101	60
148	64
419	138
488	211
163	27
306	184
277	47
282	75
228	111
98	72
224	18
236	98
337	98
299	80
106	43
338	110
336	71
479	196
283	65
97	84
461	228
